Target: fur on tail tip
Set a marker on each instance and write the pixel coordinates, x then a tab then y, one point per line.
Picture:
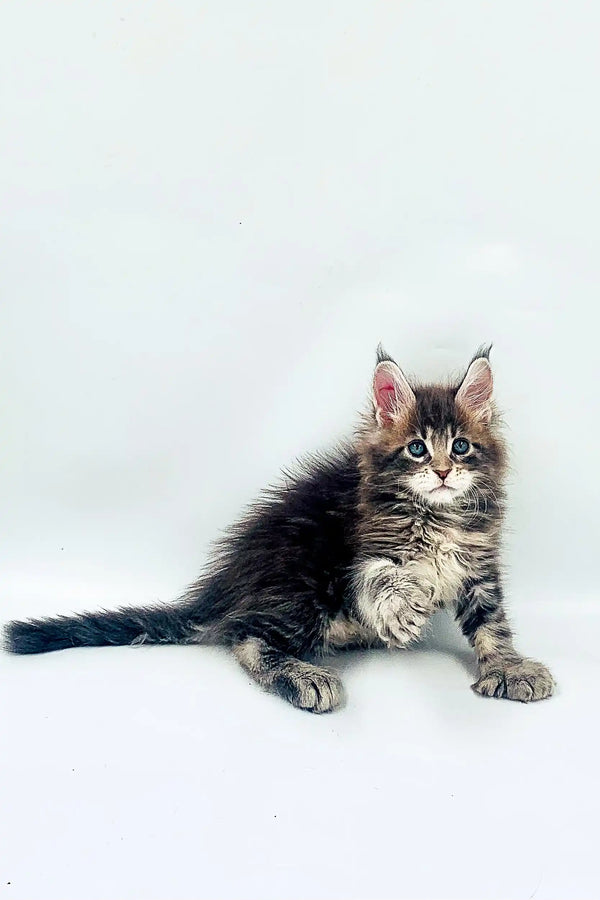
34	637
158	625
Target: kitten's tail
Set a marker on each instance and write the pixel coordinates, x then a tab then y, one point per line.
152	625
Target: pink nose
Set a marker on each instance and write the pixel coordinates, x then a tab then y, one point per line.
442	472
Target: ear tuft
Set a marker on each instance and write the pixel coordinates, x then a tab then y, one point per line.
475	391
482	352
383	355
392	394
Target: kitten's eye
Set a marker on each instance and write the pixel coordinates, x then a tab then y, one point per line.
416	448
460	446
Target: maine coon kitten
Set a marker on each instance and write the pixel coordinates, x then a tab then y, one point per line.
357	550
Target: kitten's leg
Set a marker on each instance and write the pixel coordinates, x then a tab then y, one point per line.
345	632
390	602
304	685
502	671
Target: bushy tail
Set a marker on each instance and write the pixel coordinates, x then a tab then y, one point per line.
152	625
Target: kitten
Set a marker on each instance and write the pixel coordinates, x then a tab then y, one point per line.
358	549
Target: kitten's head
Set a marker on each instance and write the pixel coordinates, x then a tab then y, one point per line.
438	444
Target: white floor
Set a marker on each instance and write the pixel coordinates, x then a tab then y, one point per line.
163	773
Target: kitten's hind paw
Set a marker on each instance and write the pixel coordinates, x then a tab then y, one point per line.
301	683
525	681
310	687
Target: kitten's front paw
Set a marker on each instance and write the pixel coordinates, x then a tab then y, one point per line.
525	681
390	602
399	624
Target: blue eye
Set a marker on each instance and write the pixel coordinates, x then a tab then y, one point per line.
416	448
460	446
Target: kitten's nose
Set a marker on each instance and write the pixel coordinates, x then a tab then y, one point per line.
442	472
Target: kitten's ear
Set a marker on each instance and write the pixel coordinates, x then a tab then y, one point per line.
475	392
392	394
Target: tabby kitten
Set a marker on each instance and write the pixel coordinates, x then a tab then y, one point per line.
356	550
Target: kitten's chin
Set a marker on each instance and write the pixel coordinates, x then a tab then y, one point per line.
440	496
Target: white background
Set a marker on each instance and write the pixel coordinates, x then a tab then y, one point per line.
211	213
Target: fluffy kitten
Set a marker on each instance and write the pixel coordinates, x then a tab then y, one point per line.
357	550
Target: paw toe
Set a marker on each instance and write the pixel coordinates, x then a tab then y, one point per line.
530	681
519	689
490	685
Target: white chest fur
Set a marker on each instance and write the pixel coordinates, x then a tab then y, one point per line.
396	600
439	562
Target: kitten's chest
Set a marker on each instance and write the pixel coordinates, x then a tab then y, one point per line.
438	559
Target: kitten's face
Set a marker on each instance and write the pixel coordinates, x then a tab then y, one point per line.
437	464
441	464
437	444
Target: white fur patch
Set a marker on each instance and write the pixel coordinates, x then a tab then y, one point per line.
390	603
395	601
